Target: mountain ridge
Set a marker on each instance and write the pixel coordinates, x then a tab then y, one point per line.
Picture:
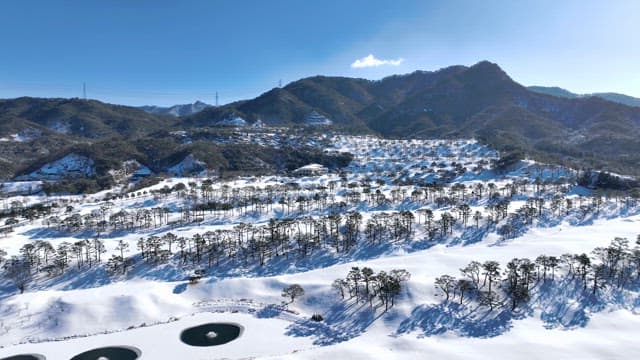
471	101
480	101
610	96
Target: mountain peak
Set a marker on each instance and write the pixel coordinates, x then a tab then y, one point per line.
489	68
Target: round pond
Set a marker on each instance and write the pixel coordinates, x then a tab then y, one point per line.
109	353
211	334
25	357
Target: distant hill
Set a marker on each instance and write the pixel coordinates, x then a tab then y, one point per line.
75	118
83	140
34	128
555	91
619	98
560	92
177	110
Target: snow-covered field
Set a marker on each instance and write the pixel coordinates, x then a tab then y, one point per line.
86	307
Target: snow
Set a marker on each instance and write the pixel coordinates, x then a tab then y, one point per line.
261	337
177	110
311	167
314	119
59	314
188	165
70	165
233	121
139	170
142	171
150	306
602	339
130	170
25	135
187	109
13	137
21	187
316	169
60	127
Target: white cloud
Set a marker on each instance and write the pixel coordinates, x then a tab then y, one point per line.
371	61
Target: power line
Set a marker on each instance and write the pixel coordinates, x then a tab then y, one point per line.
125	92
107	93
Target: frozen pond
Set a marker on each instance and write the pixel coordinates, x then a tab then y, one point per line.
25	357
109	353
163	341
211	334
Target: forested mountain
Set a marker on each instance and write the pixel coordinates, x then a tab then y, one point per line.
32	129
36	132
76	118
479	101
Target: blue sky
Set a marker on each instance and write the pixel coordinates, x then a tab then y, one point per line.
165	52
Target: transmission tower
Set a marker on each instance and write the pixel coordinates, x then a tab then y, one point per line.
216	98
84	90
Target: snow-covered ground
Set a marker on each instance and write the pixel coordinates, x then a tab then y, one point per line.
73	165
188	164
149	307
260	337
233	121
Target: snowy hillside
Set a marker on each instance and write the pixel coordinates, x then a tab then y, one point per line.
233	121
187	166
315	118
72	165
23	136
138	268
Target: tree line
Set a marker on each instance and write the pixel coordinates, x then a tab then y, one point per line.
295	238
511	285
364	285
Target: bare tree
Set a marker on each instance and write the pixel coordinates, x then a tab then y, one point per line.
463	286
292	292
446	283
122	247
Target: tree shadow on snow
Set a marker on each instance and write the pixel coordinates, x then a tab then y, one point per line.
74	278
447	316
563	304
342	322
